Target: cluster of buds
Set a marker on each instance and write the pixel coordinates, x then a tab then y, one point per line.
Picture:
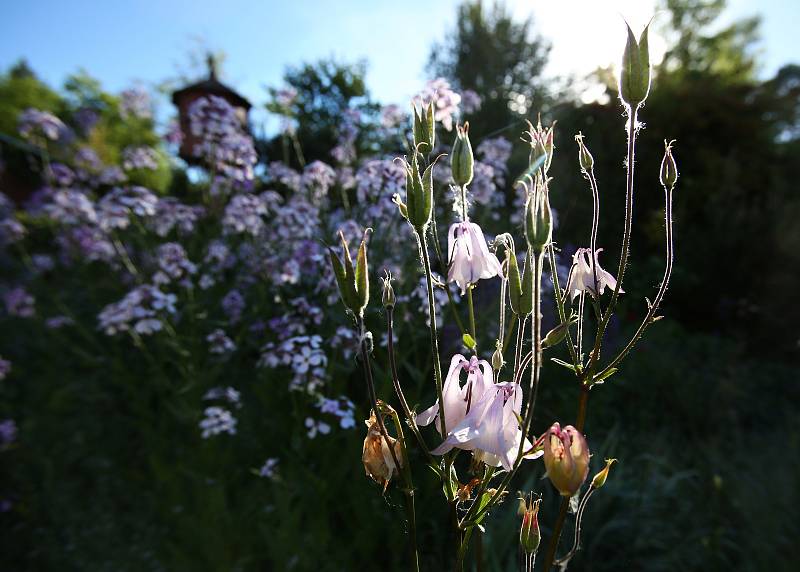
529	534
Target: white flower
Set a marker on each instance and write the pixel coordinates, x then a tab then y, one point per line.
491	428
470	259
459	400
581	277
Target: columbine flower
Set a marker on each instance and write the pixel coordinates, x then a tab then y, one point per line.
459	400
470	259
566	457
491	428
581	278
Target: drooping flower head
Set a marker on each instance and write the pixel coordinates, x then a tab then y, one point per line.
469	256
458	399
582	275
377	456
566	458
491	428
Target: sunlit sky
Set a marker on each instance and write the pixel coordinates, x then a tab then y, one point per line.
147	41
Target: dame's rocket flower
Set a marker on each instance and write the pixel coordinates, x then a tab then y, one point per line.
459	400
566	457
491	428
470	259
581	278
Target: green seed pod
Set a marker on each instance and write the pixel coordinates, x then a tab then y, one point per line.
346	277
600	478
634	80
419	194
669	169
388	298
424	128
461	159
529	534
584	157
362	275
556	335
538	220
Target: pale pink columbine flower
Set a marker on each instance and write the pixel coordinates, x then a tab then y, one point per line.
459	400
491	428
469	257
581	276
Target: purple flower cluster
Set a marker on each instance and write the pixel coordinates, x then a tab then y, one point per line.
170	214
8	433
219	343
216	421
40	126
20	303
115	209
141	157
5	368
173	264
445	101
135	102
303	355
223	143
141	311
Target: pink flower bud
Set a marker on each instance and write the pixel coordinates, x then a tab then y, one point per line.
566	458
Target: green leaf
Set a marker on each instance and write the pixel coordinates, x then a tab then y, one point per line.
563	363
605	376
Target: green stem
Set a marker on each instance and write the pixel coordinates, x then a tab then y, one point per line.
562	313
437	366
471	306
626	239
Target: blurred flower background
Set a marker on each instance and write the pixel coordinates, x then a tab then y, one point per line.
178	384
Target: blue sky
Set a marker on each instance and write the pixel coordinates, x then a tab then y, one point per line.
147	41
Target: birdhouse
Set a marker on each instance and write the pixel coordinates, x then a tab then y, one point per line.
183	99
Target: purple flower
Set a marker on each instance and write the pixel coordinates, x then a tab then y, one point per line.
37	125
317	179
141	310
219	343
173	263
233	304
8	433
70	206
278	172
228	394
244	214
135	102
5	368
115	209
316	427
62	175
57	322
469	257
11	231
86	118
470	101
582	275
134	158
445	101
171	213
393	116
267	470
217	420
20	303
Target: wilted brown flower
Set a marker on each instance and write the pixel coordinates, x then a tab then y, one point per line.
379	463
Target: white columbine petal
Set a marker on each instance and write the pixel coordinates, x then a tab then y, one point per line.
458	400
581	277
491	428
469	256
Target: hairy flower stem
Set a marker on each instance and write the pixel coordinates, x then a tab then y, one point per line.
437	366
408	493
626	239
649	318
398	388
562	509
404	468
471	515
559	295
473	330
576	543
